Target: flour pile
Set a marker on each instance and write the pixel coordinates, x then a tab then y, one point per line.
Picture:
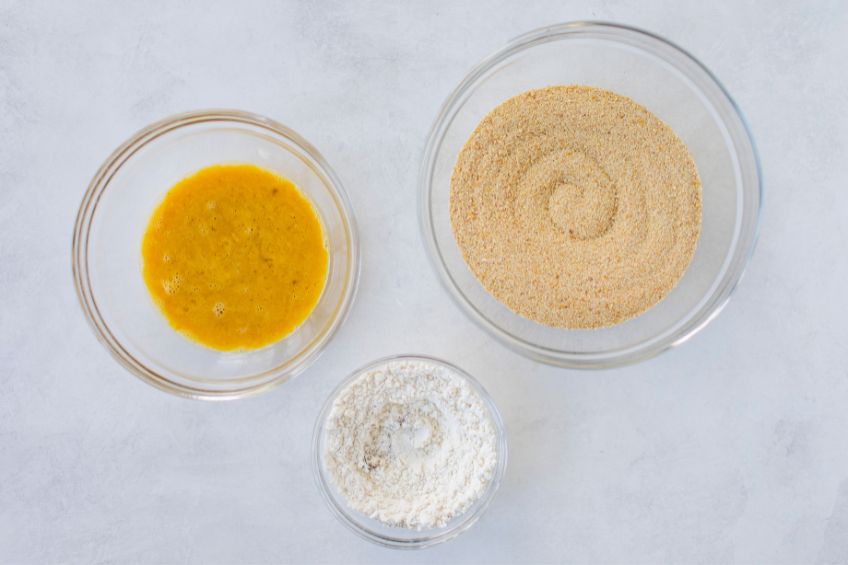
410	443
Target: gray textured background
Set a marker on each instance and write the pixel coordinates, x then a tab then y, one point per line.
733	447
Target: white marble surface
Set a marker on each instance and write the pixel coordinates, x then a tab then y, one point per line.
733	447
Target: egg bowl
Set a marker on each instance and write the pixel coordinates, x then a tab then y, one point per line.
113	217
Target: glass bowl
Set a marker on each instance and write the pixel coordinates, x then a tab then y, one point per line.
680	91
106	252
374	530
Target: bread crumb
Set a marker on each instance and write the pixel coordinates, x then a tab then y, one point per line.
575	207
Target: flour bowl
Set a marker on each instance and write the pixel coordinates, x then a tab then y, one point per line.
680	91
106	252
375	531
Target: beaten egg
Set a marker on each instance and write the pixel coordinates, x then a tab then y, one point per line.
235	257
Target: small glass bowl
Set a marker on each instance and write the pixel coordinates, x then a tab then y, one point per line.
680	91
374	530
106	252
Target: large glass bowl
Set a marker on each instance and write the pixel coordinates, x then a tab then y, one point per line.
679	90
374	530
113	216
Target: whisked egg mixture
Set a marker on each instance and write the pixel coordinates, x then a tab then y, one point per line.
235	257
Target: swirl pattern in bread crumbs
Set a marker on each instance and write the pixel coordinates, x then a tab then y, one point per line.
575	207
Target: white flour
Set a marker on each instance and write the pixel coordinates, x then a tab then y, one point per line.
411	444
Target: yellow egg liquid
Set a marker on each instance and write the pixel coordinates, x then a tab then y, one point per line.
234	257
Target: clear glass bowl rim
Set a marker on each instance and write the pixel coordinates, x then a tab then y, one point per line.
749	229
79	255
469	518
